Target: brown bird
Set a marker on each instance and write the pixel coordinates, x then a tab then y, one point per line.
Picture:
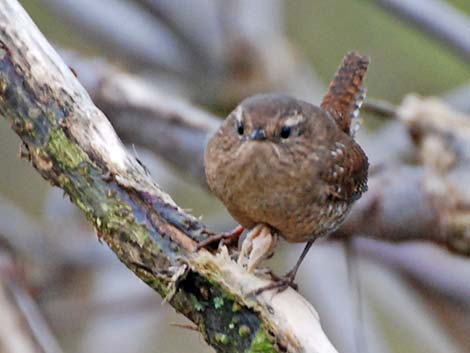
283	166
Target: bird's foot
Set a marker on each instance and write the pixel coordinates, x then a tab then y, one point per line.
221	238
256	247
280	283
288	280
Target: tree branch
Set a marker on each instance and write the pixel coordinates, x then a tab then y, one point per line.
167	125
73	146
427	201
23	328
436	18
142	43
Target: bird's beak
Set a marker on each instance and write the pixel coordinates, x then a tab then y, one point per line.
258	135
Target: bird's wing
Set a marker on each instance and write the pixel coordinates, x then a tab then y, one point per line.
345	174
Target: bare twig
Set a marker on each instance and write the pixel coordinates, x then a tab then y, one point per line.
217	54
436	18
427	265
72	145
13	337
402	305
398	208
143	42
379	108
458	98
23	328
33	317
167	125
203	37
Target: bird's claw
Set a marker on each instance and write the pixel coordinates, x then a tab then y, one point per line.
280	283
225	238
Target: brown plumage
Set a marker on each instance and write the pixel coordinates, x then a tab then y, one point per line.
290	165
346	93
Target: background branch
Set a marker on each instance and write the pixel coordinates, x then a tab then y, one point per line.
436	18
23	328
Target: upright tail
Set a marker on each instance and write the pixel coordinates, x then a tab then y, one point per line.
346	94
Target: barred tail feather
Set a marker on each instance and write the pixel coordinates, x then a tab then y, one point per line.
345	94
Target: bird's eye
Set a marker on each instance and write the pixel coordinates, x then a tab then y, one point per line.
240	128
285	131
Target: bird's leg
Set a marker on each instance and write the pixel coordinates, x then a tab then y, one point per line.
256	247
226	237
288	280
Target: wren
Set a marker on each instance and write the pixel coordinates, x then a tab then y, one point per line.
282	166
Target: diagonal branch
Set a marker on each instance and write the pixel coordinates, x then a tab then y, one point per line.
73	146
